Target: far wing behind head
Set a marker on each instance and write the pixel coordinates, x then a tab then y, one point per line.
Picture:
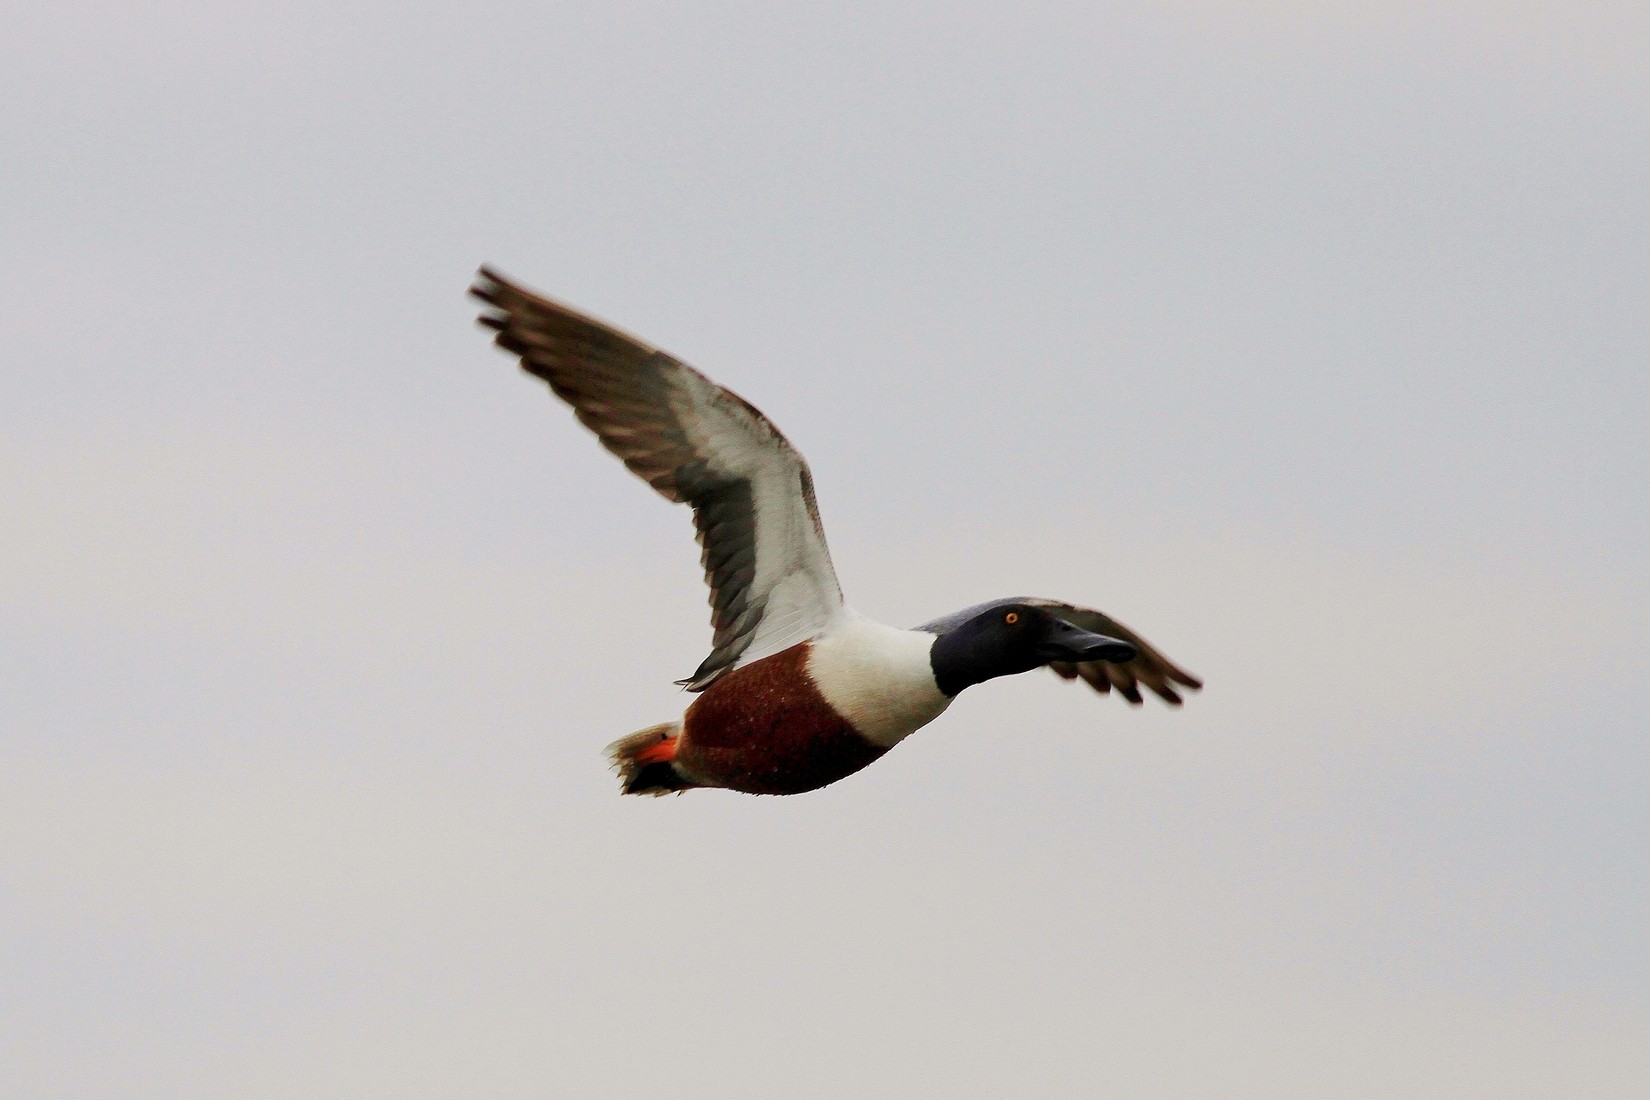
1149	667
764	554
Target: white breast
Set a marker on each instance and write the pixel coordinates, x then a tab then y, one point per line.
879	678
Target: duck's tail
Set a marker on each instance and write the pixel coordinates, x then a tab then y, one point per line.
644	761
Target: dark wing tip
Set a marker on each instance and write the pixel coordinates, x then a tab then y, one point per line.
1128	677
488	285
507	301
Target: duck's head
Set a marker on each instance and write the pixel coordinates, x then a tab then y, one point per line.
1008	638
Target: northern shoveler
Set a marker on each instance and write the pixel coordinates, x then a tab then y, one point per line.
798	690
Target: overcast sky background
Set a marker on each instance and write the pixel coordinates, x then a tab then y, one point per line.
1309	339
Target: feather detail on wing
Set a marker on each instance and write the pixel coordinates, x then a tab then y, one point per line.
1149	667
764	554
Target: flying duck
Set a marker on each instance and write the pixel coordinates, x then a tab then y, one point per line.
798	690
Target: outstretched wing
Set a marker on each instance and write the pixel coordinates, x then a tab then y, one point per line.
764	555
1149	667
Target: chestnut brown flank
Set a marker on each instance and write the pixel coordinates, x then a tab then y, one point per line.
765	729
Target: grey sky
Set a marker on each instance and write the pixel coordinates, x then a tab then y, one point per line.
1310	340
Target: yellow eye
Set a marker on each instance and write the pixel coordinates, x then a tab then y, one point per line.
1011	618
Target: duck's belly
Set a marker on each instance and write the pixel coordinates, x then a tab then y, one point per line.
766	729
